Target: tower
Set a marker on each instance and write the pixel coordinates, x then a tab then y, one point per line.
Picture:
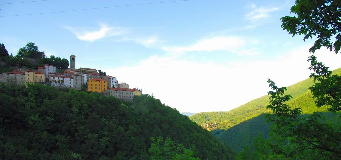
73	62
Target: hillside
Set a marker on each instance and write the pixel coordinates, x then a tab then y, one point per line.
43	122
256	107
243	133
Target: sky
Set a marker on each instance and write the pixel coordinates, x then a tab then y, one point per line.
193	55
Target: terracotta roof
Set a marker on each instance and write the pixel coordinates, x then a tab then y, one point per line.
39	73
41	67
14	72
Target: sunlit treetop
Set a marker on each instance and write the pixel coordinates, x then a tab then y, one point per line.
316	18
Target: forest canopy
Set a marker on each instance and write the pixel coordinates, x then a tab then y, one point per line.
43	122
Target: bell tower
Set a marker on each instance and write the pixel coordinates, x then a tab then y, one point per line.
73	62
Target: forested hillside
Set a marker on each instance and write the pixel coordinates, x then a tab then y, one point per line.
43	122
244	133
240	126
256	107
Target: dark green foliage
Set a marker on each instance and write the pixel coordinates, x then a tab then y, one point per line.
30	51
326	89
30	57
278	106
236	135
102	73
316	135
3	51
316	18
42	122
56	61
167	149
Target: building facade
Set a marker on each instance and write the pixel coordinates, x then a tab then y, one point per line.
97	85
137	92
16	77
77	81
39	77
123	85
49	69
121	93
29	76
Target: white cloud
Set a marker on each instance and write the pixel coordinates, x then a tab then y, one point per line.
197	87
93	35
258	13
122	34
219	43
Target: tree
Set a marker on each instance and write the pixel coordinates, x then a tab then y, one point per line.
3	51
315	135
167	149
102	73
320	18
309	132
30	51
56	61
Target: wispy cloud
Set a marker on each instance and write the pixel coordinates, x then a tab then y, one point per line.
105	31
219	43
258	13
145	41
96	34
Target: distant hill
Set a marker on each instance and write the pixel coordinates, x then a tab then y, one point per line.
43	122
239	126
243	133
254	108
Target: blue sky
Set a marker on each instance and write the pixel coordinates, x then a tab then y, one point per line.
193	55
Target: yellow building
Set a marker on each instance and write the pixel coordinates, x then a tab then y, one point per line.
137	92
97	85
32	77
29	76
39	77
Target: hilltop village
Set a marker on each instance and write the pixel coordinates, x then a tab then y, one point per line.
86	79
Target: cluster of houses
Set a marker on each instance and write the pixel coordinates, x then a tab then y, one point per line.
80	79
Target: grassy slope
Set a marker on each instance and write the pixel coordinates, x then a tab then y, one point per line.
255	107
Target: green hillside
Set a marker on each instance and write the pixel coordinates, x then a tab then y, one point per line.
256	107
43	122
243	133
